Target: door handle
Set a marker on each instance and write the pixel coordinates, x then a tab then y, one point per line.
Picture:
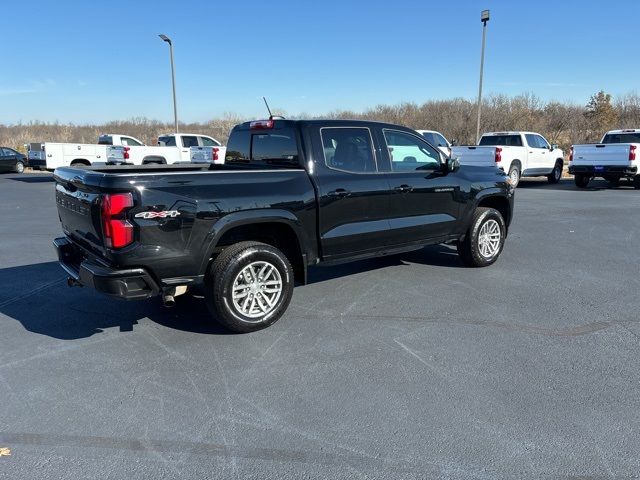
404	188
339	193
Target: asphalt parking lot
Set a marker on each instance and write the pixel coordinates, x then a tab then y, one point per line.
409	366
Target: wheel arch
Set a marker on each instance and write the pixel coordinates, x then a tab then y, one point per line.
280	229
154	159
80	161
499	202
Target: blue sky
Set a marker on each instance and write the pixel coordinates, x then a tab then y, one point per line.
85	61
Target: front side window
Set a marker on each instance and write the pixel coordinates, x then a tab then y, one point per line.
209	142
189	141
408	152
542	143
349	149
440	140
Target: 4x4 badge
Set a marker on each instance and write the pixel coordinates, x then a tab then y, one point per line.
164	214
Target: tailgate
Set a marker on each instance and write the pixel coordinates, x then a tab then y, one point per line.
474	155
601	155
78	202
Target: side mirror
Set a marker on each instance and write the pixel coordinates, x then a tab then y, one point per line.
452	164
554	146
454	143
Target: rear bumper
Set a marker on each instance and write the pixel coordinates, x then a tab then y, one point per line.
603	170
34	163
130	283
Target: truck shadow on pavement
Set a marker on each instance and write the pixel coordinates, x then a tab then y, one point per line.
38	297
33	179
436	256
567	184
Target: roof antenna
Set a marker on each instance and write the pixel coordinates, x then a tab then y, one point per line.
271	115
268	109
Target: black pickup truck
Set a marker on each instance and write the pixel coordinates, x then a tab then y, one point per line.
291	194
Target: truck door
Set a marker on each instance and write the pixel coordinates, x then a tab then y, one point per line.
188	141
425	203
538	152
353	195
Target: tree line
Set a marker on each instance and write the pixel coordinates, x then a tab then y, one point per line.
563	123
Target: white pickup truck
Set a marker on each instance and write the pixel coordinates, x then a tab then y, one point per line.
117	148
615	157
520	154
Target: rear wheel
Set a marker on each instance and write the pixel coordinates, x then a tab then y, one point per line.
514	175
581	180
19	167
636	182
484	240
249	286
556	173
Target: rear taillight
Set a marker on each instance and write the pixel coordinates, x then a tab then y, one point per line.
126	153
632	153
118	232
261	125
498	154
214	155
571	155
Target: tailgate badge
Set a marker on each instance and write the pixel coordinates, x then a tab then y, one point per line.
163	214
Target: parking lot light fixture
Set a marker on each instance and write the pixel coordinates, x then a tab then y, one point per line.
173	79
484	18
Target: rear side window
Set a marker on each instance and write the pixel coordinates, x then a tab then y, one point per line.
622	138
167	141
501	140
263	147
348	149
105	140
189	141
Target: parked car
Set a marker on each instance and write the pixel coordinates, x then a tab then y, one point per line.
172	148
437	140
520	154
614	158
12	161
290	194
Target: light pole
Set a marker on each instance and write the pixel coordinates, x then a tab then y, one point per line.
484	18
173	80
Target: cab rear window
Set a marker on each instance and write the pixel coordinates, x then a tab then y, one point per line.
263	147
501	140
631	137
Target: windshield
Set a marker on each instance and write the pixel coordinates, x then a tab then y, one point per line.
629	137
501	140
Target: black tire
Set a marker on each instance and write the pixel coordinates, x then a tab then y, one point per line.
80	163
514	175
581	180
227	269
556	173
469	249
636	182
18	167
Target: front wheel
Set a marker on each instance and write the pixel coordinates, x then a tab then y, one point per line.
581	180
249	286
484	240
556	173
19	167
